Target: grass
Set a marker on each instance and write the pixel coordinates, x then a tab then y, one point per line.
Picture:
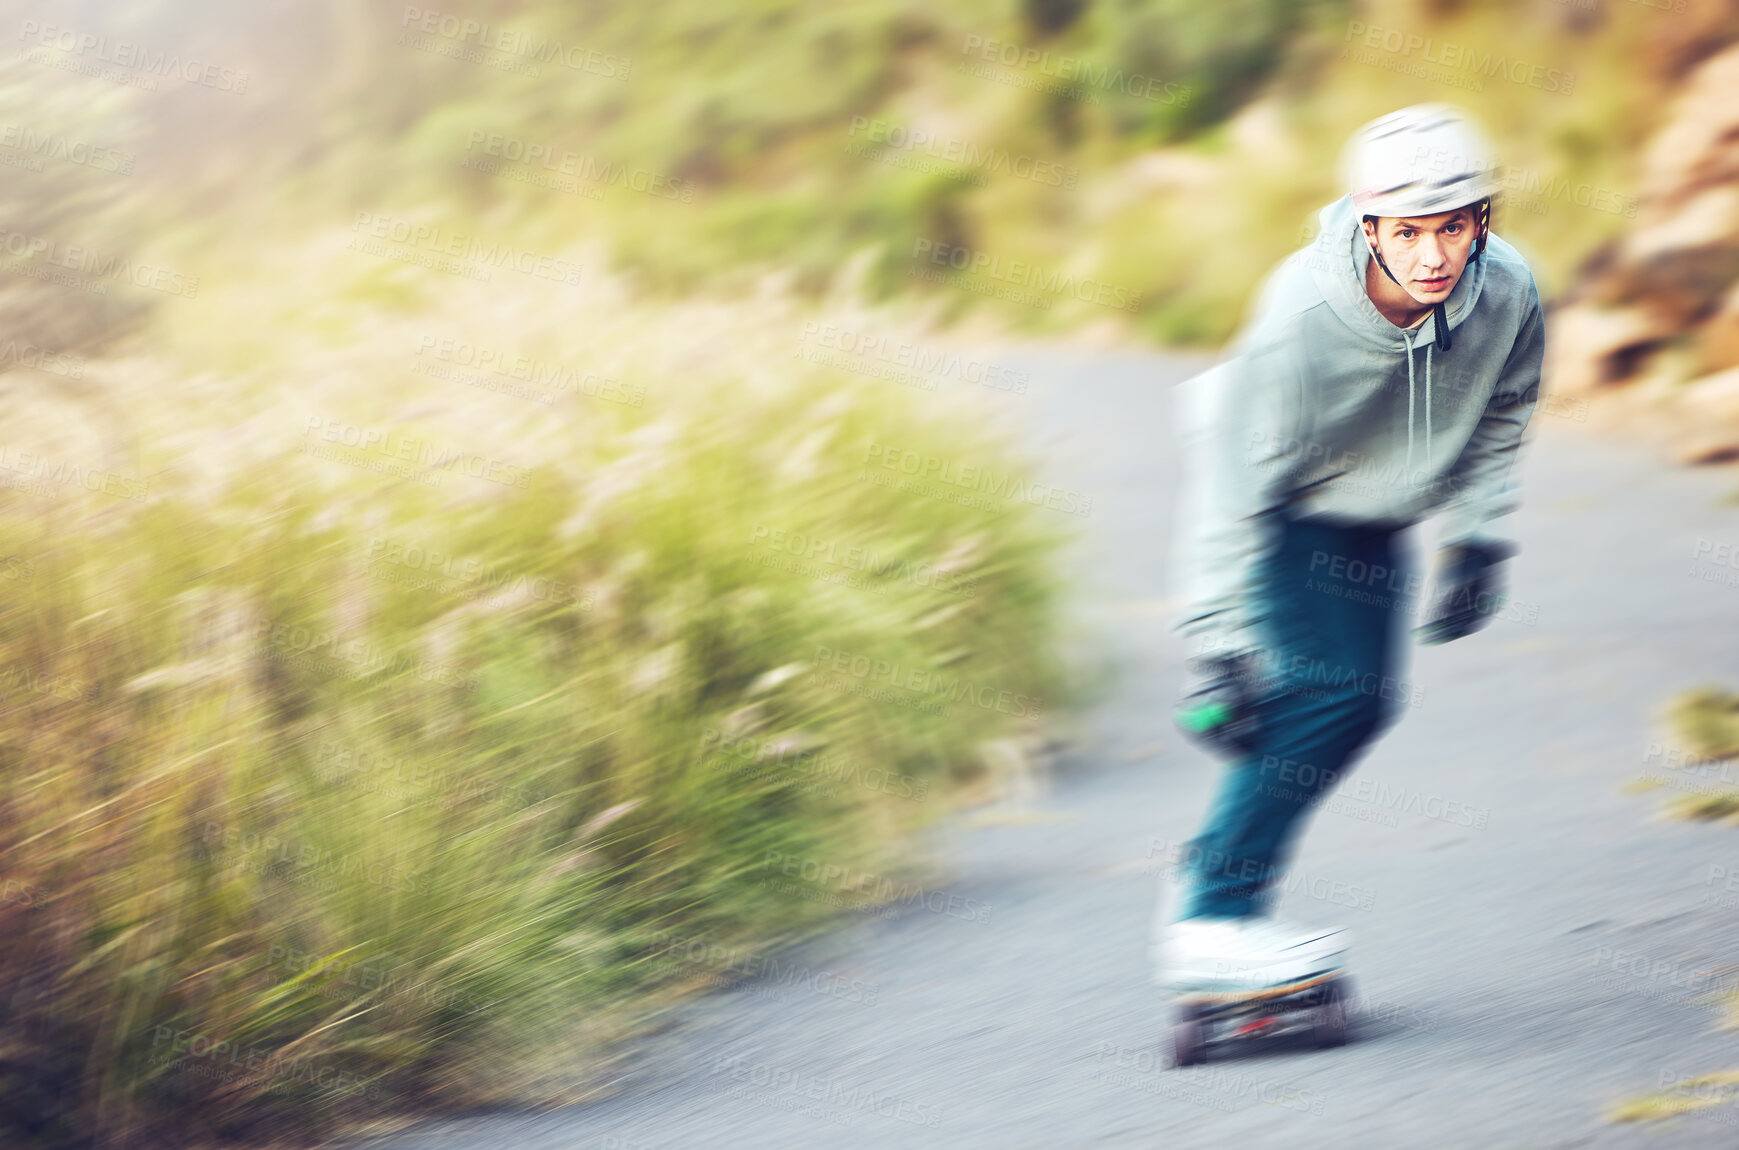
347	778
1706	723
1687	1096
1707	720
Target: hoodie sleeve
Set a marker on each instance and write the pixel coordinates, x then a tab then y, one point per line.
1482	487
1242	432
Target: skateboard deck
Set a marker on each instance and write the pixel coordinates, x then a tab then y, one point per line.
1231	997
1205	1018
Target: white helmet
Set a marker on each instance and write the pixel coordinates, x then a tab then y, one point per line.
1419	161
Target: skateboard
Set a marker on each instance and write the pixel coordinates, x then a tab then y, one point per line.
1316	1005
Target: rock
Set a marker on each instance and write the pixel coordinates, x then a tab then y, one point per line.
1718	339
1711	406
1697	148
1589	347
1670	280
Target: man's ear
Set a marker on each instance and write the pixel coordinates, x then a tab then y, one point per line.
1370	226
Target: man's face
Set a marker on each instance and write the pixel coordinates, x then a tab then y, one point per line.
1426	253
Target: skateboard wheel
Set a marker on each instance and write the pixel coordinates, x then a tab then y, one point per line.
1189	1044
1328	1018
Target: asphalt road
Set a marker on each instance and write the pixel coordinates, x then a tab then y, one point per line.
1515	976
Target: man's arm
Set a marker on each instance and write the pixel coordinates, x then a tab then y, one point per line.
1481	481
1243	424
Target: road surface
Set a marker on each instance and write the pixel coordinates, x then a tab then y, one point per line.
1530	942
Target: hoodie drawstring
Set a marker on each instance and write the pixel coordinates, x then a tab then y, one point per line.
1410	404
1409	339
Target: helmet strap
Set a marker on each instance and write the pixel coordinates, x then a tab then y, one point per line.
1376	253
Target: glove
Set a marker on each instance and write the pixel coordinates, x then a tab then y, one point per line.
1469	592
1218	706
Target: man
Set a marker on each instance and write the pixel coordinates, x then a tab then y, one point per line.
1389	373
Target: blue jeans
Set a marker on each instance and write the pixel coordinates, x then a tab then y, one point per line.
1338	601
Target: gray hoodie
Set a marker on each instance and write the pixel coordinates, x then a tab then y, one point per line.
1326	410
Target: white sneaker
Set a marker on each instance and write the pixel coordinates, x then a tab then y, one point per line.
1246	953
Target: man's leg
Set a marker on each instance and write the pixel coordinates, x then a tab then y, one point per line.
1337	613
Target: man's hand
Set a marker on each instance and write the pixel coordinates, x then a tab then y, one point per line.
1218	706
1469	592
